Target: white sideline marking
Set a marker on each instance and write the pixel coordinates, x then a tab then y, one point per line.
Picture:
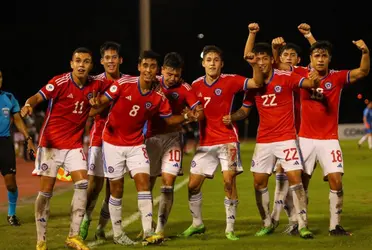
136	215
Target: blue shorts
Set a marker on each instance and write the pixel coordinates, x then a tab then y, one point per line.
369	130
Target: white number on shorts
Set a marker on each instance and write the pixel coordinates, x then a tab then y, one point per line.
291	154
78	107
317	94
269	100
174	155
337	156
133	112
207	100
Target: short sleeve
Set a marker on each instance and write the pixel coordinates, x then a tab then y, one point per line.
113	92
238	83
248	100
365	112
15	105
165	109
190	95
50	90
342	77
295	81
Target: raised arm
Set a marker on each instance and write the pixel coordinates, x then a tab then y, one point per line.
363	70
276	44
257	79
304	28
253	29
31	102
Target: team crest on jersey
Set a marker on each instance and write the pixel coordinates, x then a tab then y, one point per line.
278	89
328	85
92	166
6	111
218	91
44	167
49	87
113	88
90	95
193	164
110	169
148	105
175	95
253	163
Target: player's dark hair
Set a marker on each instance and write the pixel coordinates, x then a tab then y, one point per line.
288	46
109	45
262	48
83	50
173	60
322	45
149	54
212	48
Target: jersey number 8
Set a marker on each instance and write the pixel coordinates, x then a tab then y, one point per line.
133	112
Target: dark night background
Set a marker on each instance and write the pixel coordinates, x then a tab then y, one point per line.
37	40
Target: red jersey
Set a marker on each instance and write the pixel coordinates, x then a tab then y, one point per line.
68	111
275	103
100	119
179	96
320	107
217	100
130	111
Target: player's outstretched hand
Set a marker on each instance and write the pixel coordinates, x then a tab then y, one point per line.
95	101
26	110
304	28
226	119
277	42
253	28
362	46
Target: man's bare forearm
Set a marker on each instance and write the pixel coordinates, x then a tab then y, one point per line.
240	114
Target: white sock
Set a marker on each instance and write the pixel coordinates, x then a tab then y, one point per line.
230	208
370	142
165	206
104	216
78	206
289	208
263	205
363	139
336	199
115	209
145	208
195	204
42	210
281	190
300	204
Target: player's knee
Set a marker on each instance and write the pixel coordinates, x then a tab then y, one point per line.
259	185
194	190
228	185
11	187
168	180
81	184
